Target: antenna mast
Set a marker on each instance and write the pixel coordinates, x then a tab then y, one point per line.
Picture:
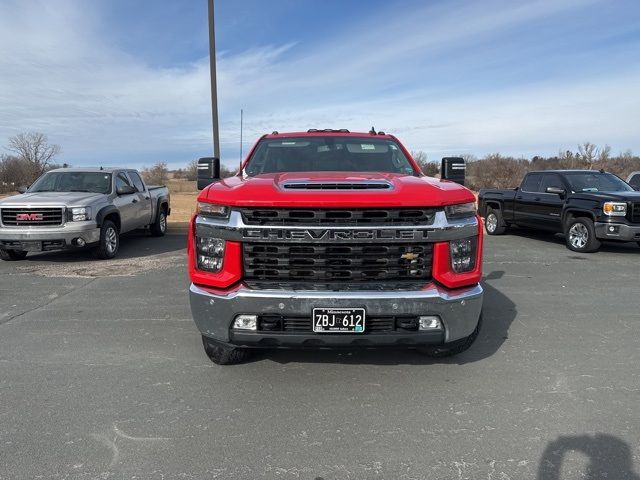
241	115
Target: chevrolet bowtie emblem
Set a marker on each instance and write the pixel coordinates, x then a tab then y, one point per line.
409	256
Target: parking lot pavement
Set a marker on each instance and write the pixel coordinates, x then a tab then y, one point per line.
102	375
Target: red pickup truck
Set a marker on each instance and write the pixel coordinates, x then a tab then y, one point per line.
327	239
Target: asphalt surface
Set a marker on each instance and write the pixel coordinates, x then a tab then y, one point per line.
102	375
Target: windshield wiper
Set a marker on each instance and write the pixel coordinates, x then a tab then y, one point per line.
88	191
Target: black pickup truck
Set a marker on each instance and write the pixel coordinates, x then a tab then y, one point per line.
586	205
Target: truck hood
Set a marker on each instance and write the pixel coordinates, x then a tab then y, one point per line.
327	189
51	198
609	196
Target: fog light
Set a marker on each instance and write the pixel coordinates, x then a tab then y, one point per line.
613	230
80	242
245	322
211	264
430	322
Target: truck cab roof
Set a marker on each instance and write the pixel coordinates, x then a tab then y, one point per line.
328	133
92	169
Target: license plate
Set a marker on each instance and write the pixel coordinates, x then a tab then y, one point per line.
31	246
340	320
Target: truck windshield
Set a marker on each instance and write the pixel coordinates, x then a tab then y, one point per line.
596	182
328	154
93	182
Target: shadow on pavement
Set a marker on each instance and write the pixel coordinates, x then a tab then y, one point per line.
498	315
609	457
132	245
558	239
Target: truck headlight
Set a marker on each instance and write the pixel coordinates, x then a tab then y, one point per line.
463	254
212	210
461	210
79	214
615	209
209	253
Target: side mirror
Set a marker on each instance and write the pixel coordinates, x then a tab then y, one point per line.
125	190
208	171
556	190
453	168
22	189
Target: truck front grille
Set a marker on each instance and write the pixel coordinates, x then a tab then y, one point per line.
373	324
358	216
21	216
338	262
635	213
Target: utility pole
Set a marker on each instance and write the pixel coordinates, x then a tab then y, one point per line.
214	82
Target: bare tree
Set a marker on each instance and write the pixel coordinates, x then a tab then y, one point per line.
14	173
158	174
427	167
192	170
604	154
588	152
34	148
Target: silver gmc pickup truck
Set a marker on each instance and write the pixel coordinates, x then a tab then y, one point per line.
71	208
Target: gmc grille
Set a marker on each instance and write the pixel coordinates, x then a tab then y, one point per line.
21	216
283	323
359	216
635	213
337	263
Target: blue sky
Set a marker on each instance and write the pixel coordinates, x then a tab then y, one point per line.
125	82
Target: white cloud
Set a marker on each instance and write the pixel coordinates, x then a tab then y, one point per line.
60	76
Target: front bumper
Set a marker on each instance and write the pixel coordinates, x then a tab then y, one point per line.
617	231
65	235
214	312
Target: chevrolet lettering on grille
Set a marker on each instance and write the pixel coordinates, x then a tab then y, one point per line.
346	235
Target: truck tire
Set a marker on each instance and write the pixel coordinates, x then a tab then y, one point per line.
494	223
13	255
109	241
580	235
222	354
159	227
451	348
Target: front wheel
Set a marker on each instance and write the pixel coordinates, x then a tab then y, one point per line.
109	241
452	348
493	222
13	255
222	354
580	235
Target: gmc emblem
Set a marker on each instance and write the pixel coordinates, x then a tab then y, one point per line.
29	217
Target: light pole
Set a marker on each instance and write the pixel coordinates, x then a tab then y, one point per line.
214	81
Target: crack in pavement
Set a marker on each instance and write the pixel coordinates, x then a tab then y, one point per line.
38	307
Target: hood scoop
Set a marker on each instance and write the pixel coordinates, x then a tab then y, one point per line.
368	185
